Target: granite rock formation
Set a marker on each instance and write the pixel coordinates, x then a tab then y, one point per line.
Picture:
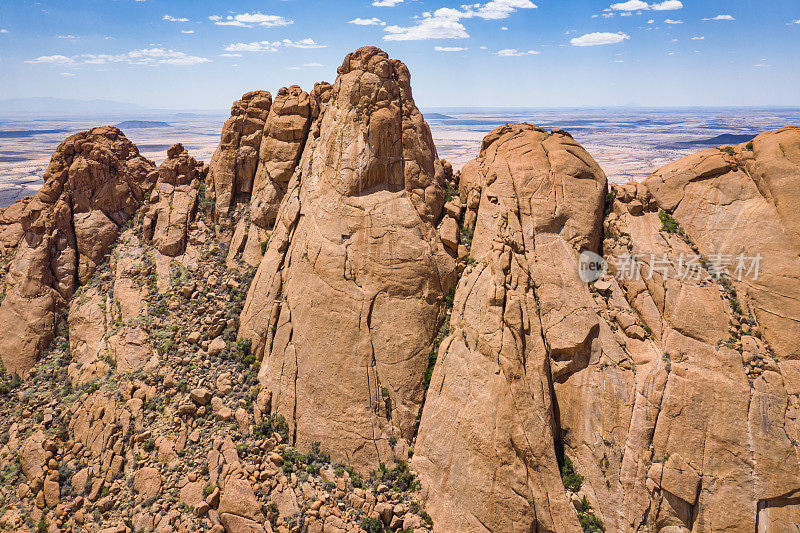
346	302
93	185
434	326
173	201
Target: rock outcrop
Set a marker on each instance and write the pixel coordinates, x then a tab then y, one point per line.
348	297
235	161
485	451
94	184
174	201
617	360
666	384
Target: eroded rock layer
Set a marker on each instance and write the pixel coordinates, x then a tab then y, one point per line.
93	185
347	299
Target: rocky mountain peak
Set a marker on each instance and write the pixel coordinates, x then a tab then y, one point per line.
327	328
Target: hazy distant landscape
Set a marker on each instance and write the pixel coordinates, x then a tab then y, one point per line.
629	143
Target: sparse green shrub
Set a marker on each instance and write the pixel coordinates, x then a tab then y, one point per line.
399	478
466	236
668	223
569	477
372	525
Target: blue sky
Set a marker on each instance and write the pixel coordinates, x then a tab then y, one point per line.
532	53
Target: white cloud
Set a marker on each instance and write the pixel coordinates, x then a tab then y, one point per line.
247	20
640	5
267	46
256	46
599	38
145	56
367	22
187	31
52	60
667	5
650	21
69	37
386	3
793	22
504	28
444	22
630	5
670	21
230	55
3	30
169	18
513	52
67	74
449	48
698	37
497	9
720	17
303	43
440	25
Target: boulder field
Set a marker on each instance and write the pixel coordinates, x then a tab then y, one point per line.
327	329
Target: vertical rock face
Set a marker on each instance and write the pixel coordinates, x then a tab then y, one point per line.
285	125
485	451
234	163
669	387
727	424
744	201
95	182
173	201
284	136
348	297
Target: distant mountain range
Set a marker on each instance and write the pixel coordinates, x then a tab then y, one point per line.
70	107
128	124
720	140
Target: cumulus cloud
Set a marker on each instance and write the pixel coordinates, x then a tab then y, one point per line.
668	5
440	25
67	74
367	22
698	37
272	46
630	5
230	55
187	31
69	37
720	17
449	48
640	5
169	18
513	52
247	20
793	22
386	3
444	22
3	30
146	56
670	21
599	38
